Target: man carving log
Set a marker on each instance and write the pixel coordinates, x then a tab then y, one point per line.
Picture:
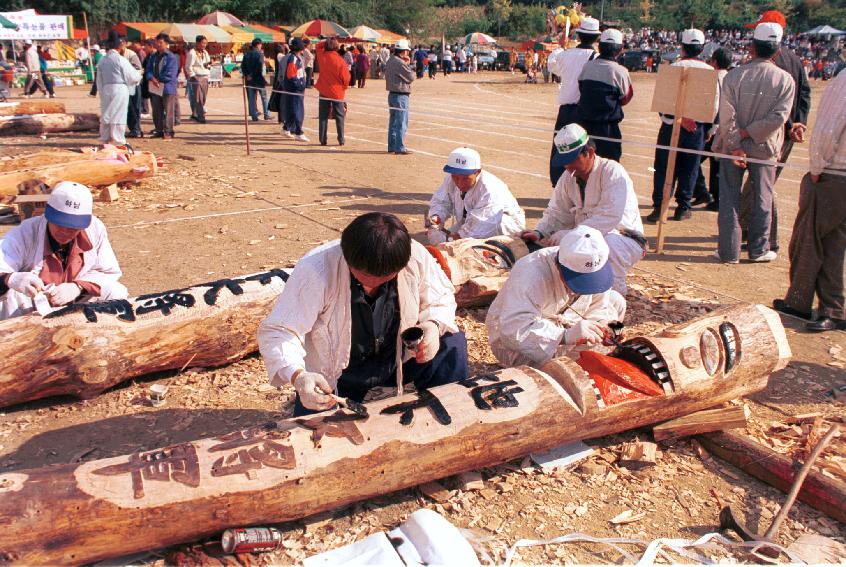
72	513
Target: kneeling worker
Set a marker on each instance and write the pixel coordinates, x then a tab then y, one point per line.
65	253
479	201
555	300
336	326
595	192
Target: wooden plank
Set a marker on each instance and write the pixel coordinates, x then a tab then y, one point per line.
699	101
719	419
819	491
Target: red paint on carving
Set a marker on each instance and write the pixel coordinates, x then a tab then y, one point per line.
442	262
618	380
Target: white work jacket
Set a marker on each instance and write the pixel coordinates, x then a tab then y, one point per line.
22	250
310	326
528	318
487	209
610	203
567	64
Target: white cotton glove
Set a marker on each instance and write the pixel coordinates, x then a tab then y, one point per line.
584	332
430	344
314	391
26	283
63	294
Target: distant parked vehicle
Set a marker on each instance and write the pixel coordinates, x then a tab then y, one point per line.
485	59
634	60
670	56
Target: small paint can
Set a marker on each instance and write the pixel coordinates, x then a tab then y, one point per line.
250	540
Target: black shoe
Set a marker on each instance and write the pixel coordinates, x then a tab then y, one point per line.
157	135
135	135
704	200
654	216
780	305
194	118
177	122
682	214
713	206
201	120
826	324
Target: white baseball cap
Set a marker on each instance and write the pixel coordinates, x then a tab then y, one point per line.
768	31
27	41
69	205
583	261
402	45
693	37
463	161
611	35
568	143
588	25
95	47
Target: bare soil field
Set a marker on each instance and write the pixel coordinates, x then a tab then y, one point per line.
213	211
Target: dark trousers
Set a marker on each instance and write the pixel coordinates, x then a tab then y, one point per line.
34	82
567	114
199	92
420	68
746	195
340	111
687	165
309	77
817	247
433	69
608	150
294	114
448	366
133	113
164	112
713	186
361	78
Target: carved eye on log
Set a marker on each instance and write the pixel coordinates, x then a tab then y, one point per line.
731	343
709	347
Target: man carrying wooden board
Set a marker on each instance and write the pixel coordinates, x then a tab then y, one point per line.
337	325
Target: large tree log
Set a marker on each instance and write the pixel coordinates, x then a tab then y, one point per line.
97	169
34	124
31	107
818	491
40	159
79	513
87	349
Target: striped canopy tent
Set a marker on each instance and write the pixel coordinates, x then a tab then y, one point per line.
188	33
478	38
389	37
266	34
139	31
364	33
318	28
218	18
238	34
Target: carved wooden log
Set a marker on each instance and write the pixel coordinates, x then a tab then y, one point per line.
31	107
40	159
86	349
826	494
79	513
34	124
94	170
89	347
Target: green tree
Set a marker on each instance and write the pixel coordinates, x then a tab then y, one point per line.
501	11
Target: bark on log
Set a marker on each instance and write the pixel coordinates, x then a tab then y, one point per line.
31	107
79	513
818	491
91	349
35	124
96	170
718	419
86	348
40	159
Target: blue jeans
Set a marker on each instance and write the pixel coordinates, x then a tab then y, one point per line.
687	165
397	121
448	366
251	101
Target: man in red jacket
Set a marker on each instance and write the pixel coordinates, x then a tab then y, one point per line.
332	83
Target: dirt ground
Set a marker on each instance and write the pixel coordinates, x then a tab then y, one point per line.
213	210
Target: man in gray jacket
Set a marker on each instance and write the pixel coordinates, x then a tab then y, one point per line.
756	100
398	78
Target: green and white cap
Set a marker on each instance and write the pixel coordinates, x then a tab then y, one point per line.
569	142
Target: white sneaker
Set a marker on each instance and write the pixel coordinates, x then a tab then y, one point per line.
287	133
301	137
717	256
768	257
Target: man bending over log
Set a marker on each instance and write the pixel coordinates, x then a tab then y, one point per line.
555	300
336	326
64	254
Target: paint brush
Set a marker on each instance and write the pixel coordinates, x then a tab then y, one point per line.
355	407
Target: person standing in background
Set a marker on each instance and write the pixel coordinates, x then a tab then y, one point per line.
420	61
294	82
398	78
43	58
308	61
33	70
253	69
332	84
133	113
116	79
362	65
162	70
197	67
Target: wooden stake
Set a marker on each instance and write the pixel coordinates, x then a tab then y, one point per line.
246	120
88	46
671	162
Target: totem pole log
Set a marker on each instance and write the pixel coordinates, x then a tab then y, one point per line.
34	124
40	159
92	169
80	513
85	349
31	107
